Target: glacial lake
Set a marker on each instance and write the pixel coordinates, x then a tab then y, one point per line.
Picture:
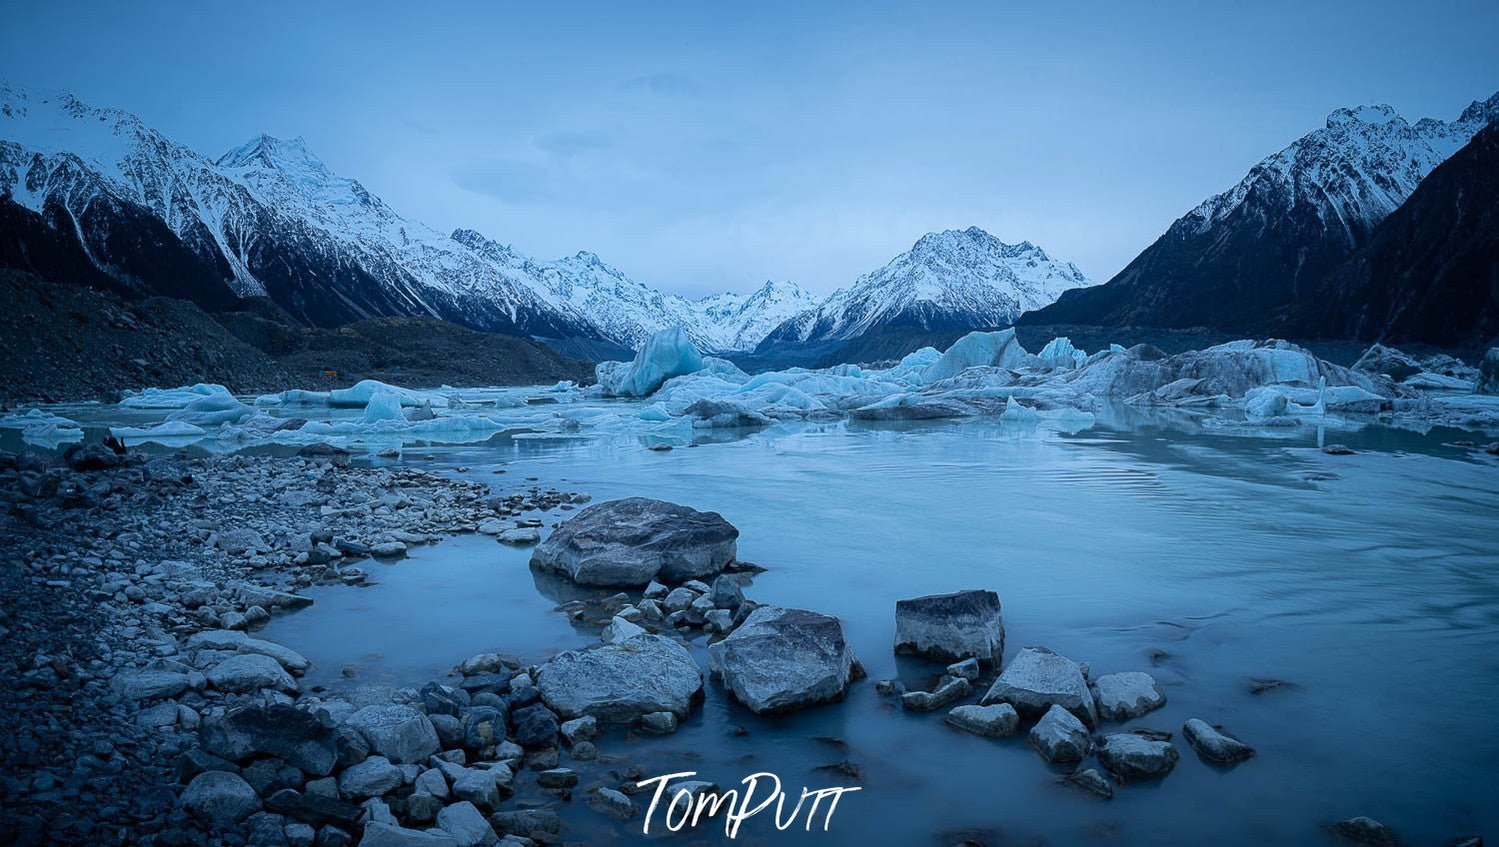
1369	583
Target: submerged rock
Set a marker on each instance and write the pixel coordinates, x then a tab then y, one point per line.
621	681
1037	679
1093	782
1122	696
779	660
636	540
1060	737
1212	744
951	627
1364	830
1132	756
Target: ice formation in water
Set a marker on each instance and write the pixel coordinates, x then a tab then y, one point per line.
1257	386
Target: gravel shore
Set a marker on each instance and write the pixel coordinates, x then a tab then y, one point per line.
116	563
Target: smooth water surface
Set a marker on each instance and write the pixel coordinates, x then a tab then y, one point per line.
1369	582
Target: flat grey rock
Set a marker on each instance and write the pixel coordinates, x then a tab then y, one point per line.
993	721
1122	696
622	681
1133	756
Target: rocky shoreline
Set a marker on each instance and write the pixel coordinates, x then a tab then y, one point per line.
147	710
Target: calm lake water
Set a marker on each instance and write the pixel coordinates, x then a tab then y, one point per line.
1368	582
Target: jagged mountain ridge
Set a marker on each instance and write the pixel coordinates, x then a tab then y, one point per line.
1243	256
269	218
953	279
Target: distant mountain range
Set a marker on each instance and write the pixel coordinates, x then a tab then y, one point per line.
94	195
1253	259
1324	239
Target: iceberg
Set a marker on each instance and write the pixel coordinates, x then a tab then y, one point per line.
1059	353
666	354
164	433
978	349
384	405
360	393
212	410
175	398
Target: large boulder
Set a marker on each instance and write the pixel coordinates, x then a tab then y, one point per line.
636	540
780	659
220	798
1037	679
621	681
399	733
287	733
951	627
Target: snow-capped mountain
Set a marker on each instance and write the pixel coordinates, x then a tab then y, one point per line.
628	312
949	280
268	218
1252	250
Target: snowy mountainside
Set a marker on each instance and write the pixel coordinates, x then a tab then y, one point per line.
951	279
1250	252
269	218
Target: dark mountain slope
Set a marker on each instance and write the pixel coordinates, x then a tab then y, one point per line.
1430	272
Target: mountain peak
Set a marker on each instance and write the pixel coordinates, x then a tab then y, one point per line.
1373	115
268	151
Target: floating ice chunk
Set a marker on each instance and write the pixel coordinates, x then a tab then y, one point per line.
562	387
1015	412
723	369
384	405
34	417
666	354
211	410
359	394
294	397
1059	353
978	349
655	412
50	434
1440	382
164	433
174	398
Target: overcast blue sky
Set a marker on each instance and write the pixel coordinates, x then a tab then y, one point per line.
708	146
